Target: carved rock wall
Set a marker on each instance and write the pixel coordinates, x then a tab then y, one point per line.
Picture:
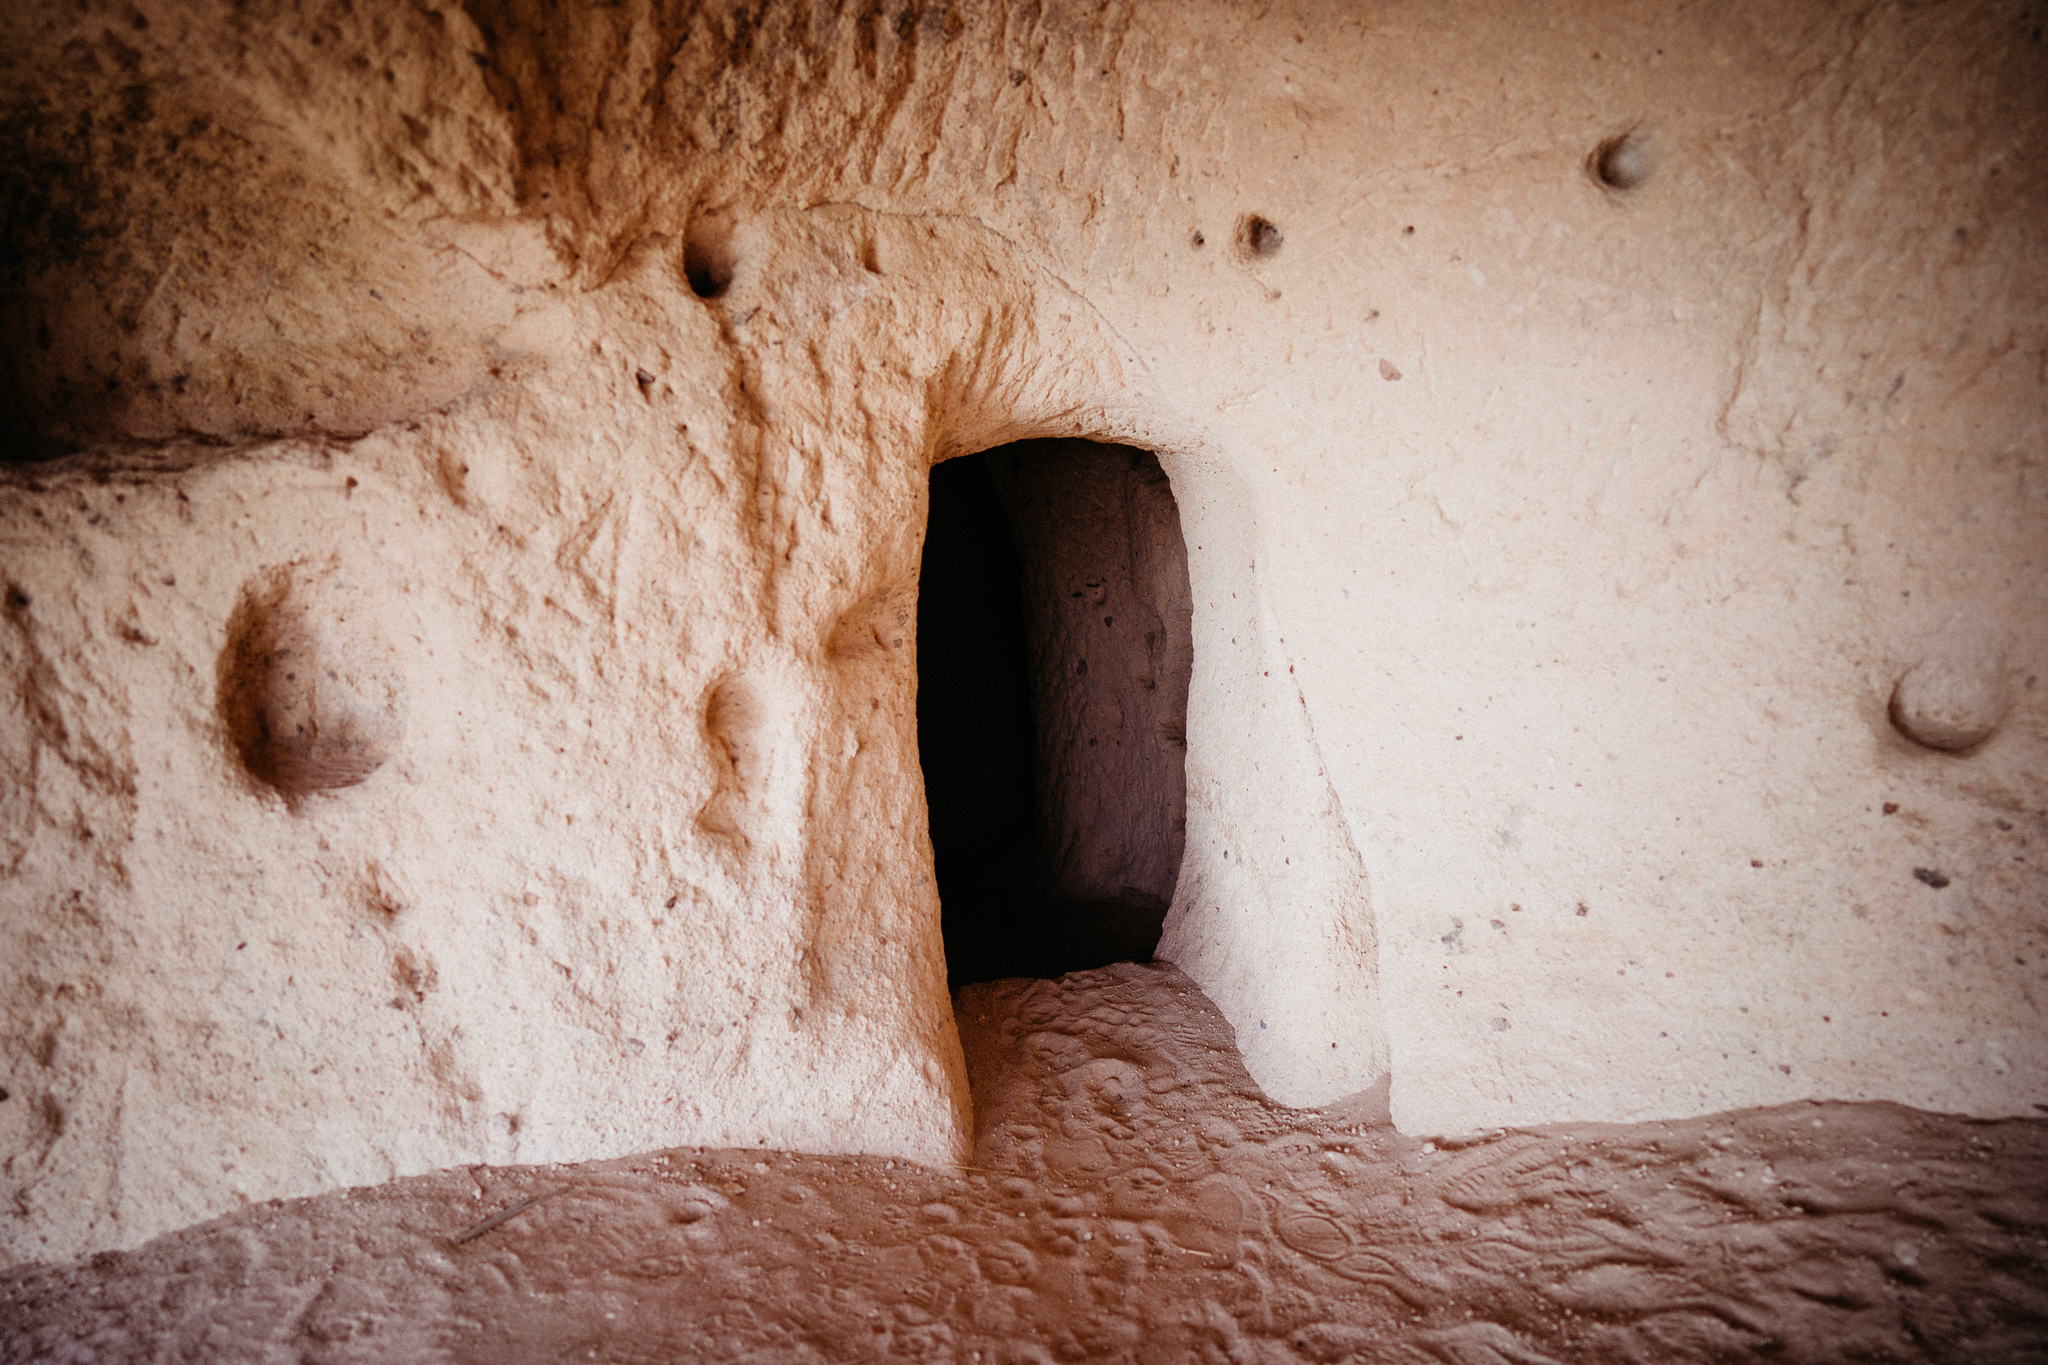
1608	447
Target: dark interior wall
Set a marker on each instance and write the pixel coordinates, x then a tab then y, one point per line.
1108	614
1054	654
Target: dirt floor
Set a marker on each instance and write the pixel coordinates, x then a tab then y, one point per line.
1132	1198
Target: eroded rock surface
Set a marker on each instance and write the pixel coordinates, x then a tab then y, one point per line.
1585	424
1132	1198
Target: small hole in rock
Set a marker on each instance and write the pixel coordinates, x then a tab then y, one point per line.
1259	236
1622	163
709	257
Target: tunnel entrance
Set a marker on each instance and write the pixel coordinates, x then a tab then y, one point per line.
1055	645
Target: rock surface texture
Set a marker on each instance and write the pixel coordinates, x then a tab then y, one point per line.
457	627
1132	1198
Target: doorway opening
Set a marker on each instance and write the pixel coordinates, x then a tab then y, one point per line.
1055	646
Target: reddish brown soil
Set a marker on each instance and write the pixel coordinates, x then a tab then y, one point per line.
1132	1198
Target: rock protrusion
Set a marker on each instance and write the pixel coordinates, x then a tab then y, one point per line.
1949	703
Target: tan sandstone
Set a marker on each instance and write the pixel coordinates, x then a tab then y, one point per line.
1607	440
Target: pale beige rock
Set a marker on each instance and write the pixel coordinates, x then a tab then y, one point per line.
1580	423
639	867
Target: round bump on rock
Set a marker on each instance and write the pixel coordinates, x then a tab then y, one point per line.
312	702
1950	705
1622	163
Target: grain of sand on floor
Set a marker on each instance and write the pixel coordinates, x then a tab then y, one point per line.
1132	1198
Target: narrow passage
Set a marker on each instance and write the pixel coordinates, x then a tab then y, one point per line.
1054	653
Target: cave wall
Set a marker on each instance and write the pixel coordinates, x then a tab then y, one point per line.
1105	579
1609	448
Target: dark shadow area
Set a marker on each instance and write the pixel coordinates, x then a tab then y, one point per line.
1056	796
974	733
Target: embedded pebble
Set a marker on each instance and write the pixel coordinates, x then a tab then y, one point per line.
1951	704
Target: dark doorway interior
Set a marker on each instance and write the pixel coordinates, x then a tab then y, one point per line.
1054	651
974	732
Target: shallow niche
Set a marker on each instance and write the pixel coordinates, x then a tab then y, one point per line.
309	690
1054	652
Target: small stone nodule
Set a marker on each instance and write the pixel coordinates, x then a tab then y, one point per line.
1949	704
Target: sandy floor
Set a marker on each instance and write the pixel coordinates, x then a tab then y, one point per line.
1132	1199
